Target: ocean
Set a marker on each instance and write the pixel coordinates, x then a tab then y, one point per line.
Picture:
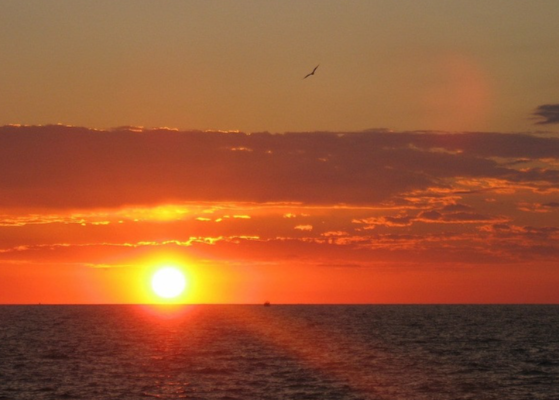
228	352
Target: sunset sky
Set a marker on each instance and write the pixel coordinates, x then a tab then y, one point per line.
418	165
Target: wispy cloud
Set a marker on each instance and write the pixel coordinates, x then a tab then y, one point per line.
458	214
547	113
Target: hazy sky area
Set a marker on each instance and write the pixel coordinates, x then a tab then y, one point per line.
405	65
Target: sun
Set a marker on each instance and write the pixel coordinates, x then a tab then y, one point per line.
168	282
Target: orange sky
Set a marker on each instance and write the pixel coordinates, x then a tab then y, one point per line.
384	217
419	164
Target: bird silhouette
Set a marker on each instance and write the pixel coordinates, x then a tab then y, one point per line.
312	72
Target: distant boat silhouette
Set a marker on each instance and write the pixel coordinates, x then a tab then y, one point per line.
267	303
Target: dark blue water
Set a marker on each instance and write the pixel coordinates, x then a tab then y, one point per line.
279	352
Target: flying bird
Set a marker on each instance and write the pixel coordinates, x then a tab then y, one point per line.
312	72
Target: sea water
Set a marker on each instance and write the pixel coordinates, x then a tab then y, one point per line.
279	352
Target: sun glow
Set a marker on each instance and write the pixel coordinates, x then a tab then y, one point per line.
168	282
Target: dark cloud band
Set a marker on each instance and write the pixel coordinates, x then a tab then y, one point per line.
66	167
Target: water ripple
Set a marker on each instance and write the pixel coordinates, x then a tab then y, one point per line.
279	352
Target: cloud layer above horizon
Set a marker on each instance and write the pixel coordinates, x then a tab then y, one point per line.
70	167
91	197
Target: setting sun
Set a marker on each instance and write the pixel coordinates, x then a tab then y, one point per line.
168	282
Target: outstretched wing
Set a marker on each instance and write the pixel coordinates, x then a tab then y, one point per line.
312	72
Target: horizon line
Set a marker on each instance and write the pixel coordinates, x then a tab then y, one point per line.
278	304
